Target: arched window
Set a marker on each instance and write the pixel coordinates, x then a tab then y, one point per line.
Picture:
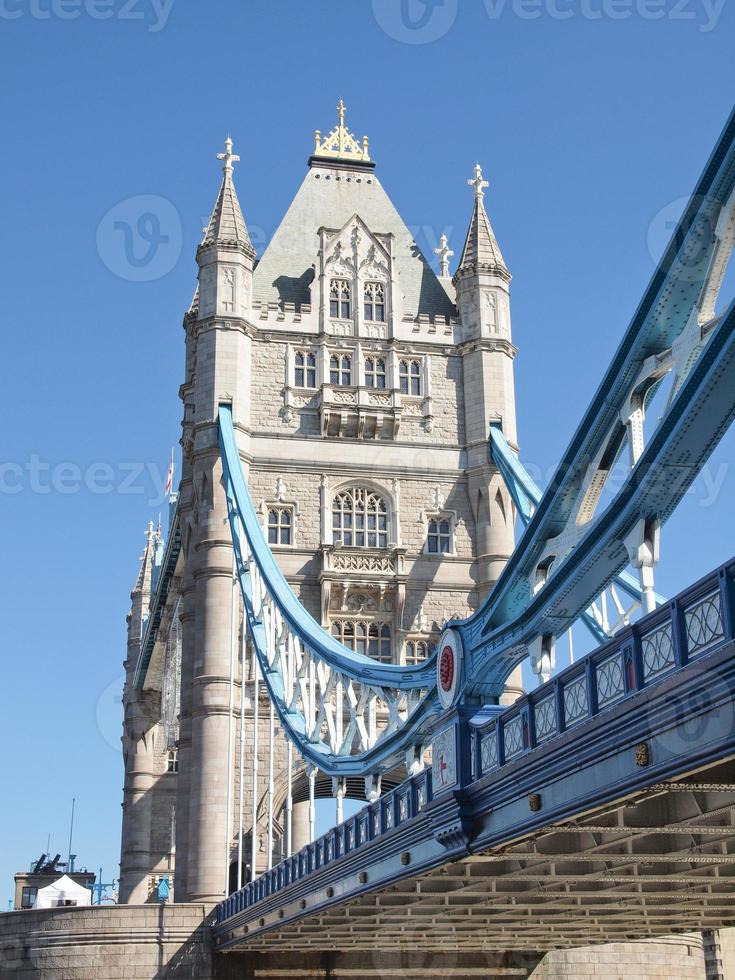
370	639
359	519
409	374
416	651
280	525
340	294
375	301
305	370
340	369
375	372
439	537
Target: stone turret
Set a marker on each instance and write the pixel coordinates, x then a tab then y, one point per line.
218	370
482	282
142	712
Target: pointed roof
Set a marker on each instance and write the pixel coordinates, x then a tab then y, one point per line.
227	225
329	198
481	246
147	559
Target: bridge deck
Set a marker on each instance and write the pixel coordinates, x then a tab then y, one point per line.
610	817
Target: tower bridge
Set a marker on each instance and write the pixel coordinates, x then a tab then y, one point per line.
341	605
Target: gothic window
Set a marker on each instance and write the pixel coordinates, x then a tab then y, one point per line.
340	299
409	373
439	537
280	525
340	369
416	651
359	519
172	761
371	639
375	372
374	301
305	373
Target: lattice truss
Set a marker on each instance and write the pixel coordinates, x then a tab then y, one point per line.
343	710
713	234
667	343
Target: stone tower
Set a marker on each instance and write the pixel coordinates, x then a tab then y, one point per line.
363	387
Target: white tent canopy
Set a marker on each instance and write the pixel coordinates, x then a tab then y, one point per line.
62	892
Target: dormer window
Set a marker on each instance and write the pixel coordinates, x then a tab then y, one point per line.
409	374
374	302
340	370
375	376
305	370
340	304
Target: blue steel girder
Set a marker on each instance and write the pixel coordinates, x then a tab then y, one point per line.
697	419
678	284
675	330
313	680
526	496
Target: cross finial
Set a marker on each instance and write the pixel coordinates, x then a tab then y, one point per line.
445	253
228	156
478	183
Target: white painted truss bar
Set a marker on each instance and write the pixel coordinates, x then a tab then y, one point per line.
289	799
254	823
230	718
271	733
241	768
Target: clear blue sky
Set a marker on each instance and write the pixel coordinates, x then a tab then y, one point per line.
589	128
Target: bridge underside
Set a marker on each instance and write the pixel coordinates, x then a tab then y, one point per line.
657	862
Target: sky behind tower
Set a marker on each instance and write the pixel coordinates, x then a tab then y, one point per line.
592	119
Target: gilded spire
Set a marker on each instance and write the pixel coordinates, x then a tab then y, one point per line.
227	225
340	144
481	246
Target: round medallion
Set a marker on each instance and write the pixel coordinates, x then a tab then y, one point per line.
446	668
449	667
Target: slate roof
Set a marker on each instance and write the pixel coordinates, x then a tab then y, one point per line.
481	246
329	198
227	224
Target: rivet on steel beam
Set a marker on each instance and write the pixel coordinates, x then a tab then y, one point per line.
534	802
